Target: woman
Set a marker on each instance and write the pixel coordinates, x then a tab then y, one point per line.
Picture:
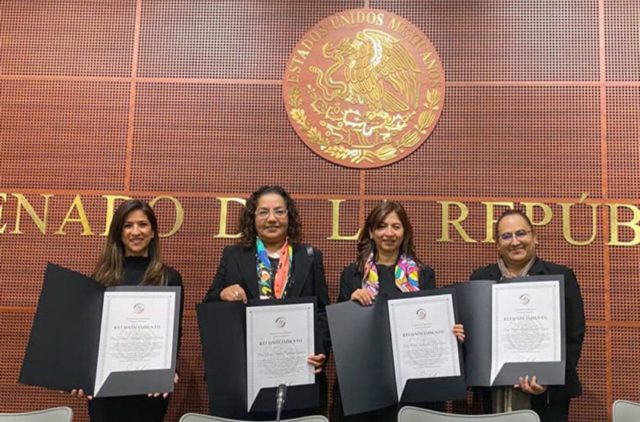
386	264
270	263
131	257
517	243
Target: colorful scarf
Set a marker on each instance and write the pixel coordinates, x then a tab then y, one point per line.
504	271
265	272
406	275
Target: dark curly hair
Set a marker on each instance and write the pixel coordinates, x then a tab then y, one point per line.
247	224
366	245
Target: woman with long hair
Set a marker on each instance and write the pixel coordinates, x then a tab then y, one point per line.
386	264
132	257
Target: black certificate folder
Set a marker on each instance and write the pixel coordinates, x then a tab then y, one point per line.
64	346
362	346
224	349
477	312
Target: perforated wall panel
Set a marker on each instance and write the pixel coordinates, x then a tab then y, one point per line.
182	99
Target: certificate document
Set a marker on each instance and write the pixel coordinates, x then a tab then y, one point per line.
423	343
526	324
136	333
279	340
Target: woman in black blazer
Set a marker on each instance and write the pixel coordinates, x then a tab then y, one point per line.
271	263
386	264
517	243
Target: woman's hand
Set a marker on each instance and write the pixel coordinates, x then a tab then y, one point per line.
176	378
531	387
79	393
363	297
458	331
233	293
317	361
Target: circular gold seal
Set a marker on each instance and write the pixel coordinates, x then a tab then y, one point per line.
364	88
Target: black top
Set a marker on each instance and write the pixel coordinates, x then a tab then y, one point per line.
351	280
135	267
138	408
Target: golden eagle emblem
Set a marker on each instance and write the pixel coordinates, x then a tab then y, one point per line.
366	94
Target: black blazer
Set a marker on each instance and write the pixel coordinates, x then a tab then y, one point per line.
351	280
574	318
238	266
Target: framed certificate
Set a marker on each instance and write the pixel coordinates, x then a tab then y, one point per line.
514	328
113	341
399	350
279	341
421	338
248	350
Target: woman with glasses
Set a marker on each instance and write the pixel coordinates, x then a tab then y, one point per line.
386	264
271	263
517	244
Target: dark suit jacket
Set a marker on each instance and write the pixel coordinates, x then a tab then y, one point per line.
238	266
574	318
351	280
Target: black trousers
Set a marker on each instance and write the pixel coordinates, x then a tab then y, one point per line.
128	409
551	410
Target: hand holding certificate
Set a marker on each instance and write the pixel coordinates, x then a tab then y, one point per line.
136	332
397	351
106	341
515	329
242	372
526	324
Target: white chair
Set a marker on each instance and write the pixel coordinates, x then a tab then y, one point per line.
55	414
626	411
198	417
416	414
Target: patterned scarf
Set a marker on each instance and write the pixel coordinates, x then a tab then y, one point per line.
504	271
406	275
265	272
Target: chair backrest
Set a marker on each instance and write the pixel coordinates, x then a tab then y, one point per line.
198	417
416	414
626	411
55	414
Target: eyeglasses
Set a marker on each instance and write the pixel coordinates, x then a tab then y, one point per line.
518	234
263	213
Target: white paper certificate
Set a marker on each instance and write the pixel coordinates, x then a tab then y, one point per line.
136	333
526	323
422	339
280	338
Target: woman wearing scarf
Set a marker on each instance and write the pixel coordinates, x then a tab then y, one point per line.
517	243
386	264
271	263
